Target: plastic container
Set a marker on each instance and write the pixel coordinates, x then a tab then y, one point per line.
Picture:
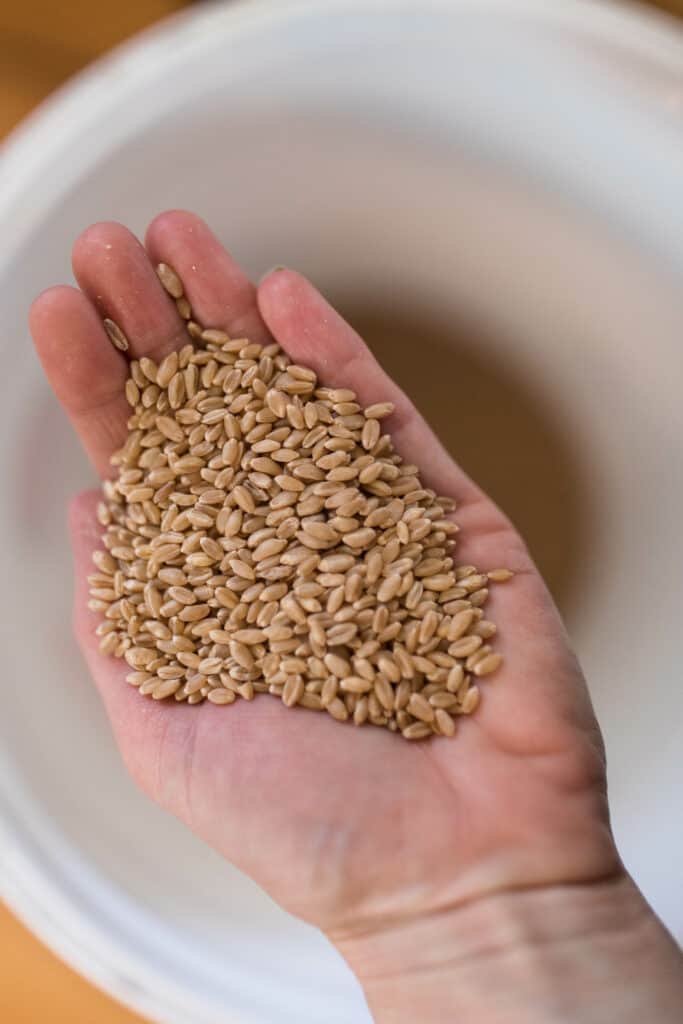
513	162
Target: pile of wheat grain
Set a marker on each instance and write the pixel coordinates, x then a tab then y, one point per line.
262	536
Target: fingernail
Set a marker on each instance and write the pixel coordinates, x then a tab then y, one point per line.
278	266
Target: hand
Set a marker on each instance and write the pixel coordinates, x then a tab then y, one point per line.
354	830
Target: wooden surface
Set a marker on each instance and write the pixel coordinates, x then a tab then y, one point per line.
41	44
37	988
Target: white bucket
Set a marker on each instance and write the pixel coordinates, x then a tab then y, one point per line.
512	162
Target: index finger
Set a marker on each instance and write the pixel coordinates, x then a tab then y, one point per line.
314	333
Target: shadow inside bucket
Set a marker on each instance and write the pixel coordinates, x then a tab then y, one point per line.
499	428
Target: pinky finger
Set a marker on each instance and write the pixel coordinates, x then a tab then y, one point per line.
86	372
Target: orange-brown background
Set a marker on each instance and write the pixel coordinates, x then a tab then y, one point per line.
41	44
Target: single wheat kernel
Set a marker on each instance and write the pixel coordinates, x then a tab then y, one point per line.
379	410
420	708
471	700
444	722
489	664
183	307
170	280
416	731
116	335
293	691
500	575
221	696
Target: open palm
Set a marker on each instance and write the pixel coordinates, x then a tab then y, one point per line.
348	828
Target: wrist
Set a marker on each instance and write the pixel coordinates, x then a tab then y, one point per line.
576	953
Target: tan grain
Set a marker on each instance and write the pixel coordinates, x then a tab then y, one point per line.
116	335
262	536
500	575
471	700
444	722
489	664
293	691
416	731
379	410
420	708
170	280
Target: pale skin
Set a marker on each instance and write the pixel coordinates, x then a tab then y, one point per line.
469	879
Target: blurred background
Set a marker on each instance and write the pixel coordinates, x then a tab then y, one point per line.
41	45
